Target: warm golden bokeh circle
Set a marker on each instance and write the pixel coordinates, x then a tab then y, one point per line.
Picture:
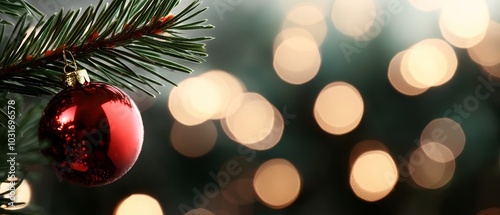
253	122
429	63
428	173
353	18
187	144
373	175
486	52
440	136
397	80
198	99
22	194
308	17
240	191
273	137
489	211
365	146
290	33
463	23
139	204
427	5
227	86
338	108
297	60
194	101
199	211
277	183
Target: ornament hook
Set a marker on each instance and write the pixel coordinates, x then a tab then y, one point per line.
67	62
77	76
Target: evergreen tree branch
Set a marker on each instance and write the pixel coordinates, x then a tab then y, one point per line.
105	40
17	8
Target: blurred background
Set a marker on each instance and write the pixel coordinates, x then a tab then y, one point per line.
316	107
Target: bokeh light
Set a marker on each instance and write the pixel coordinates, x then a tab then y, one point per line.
277	183
463	23
307	16
339	108
274	136
492	70
365	146
397	80
440	137
486	52
489	211
429	63
199	211
253	122
22	194
373	175
240	191
460	42
428	173
198	99
139	204
190	145
289	33
297	60
354	18
194	101
427	5
227	87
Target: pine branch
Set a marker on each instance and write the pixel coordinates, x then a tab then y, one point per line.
105	40
17	8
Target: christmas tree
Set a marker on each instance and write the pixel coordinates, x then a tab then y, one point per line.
107	40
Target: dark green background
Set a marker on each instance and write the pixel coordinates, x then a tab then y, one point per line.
243	47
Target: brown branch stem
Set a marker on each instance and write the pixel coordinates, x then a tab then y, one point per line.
90	45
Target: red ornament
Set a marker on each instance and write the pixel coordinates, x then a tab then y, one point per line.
95	132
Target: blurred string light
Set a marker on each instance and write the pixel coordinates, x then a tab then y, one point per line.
277	183
493	70
397	80
193	101
308	17
291	33
297	60
253	121
199	211
198	99
442	140
428	173
365	146
486	52
427	5
240	191
373	171
489	211
22	194
139	204
338	108
463	23
227	86
429	63
296	48
354	18
190	145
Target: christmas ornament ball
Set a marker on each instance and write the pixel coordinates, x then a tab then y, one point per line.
94	131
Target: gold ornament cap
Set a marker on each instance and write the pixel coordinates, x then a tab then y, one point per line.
74	78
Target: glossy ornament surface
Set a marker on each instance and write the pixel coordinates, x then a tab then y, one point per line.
94	131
